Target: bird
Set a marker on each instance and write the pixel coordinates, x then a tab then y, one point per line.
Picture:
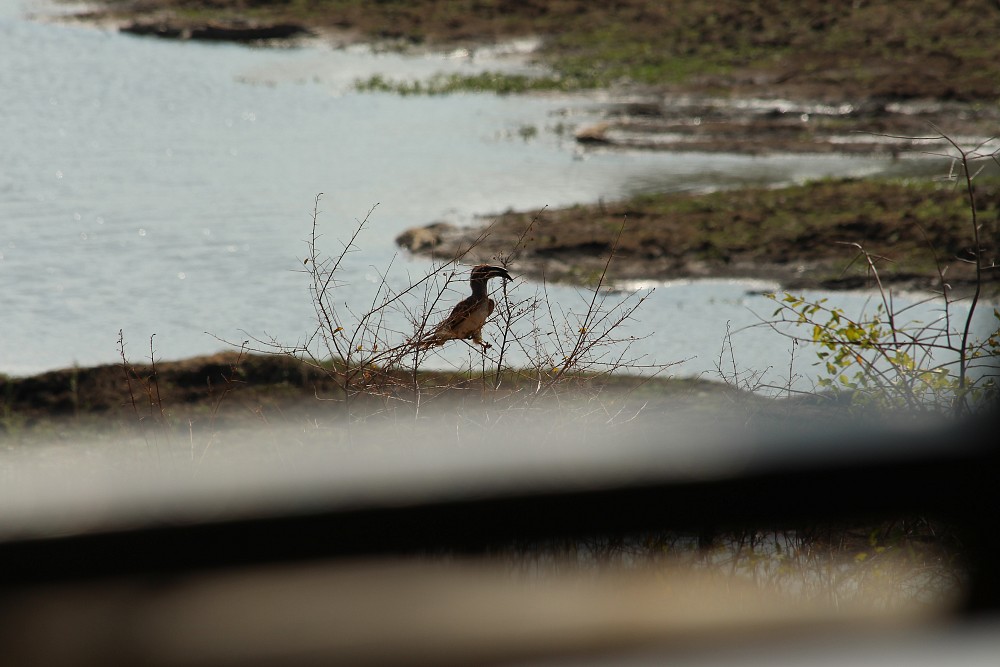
470	314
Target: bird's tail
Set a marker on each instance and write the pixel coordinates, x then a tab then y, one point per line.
433	339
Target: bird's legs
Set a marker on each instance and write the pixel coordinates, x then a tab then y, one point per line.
477	338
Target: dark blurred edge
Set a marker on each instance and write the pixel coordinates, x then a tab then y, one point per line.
951	477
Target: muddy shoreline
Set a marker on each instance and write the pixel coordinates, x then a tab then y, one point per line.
801	236
760	126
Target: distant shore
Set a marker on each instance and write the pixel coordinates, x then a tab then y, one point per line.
721	76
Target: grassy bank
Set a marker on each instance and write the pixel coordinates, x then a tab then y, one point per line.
230	389
813	49
801	235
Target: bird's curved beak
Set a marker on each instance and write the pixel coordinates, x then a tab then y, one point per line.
502	273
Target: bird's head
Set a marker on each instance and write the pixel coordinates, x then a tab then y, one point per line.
486	271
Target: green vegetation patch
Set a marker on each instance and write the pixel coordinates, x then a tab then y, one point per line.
444	84
894	218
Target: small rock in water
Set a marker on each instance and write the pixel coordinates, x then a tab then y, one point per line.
421	238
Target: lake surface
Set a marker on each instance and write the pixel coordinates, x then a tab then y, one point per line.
166	188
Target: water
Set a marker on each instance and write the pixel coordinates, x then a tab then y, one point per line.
166	188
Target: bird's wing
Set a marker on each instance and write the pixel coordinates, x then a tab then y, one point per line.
446	329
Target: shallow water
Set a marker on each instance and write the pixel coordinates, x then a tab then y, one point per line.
166	188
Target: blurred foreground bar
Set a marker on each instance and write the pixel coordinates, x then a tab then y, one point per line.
324	583
388	613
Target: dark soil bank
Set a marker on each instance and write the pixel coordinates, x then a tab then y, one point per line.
803	236
231	388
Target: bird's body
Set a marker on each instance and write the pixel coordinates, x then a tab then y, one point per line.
470	314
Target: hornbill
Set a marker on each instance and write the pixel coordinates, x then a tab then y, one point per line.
468	317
